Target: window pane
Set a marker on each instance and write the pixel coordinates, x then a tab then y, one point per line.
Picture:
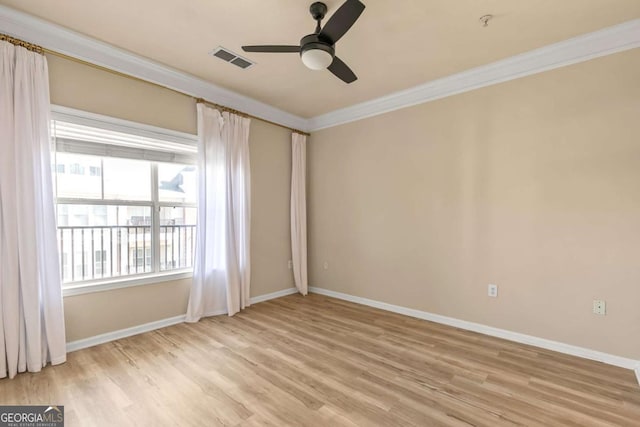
99	241
177	237
73	179
126	179
176	183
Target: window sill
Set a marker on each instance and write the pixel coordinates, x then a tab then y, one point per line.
119	283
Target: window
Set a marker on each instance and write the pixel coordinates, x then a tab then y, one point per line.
133	213
76	169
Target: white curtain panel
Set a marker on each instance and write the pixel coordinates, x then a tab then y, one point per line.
31	316
299	211
222	269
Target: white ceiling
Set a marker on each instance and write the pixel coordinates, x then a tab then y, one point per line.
394	45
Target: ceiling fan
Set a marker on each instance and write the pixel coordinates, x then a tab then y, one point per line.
317	50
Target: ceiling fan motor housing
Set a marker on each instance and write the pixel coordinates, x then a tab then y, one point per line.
313	41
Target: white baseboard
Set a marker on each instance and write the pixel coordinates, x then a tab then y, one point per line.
273	295
122	333
163	323
573	350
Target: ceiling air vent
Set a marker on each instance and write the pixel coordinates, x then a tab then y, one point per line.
228	56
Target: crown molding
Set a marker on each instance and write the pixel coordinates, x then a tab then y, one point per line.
578	49
59	39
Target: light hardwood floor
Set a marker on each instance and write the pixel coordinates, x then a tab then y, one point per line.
318	361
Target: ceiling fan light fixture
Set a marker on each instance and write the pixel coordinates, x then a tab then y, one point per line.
317	57
317	50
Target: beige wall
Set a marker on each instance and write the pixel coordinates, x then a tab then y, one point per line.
532	184
89	89
86	88
270	150
96	313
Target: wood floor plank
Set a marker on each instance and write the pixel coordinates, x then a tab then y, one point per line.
318	361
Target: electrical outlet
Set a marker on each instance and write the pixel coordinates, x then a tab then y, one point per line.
325	265
599	307
492	291
290	264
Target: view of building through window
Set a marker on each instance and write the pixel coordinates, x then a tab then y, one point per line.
112	222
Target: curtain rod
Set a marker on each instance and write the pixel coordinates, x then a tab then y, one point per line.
240	113
29	46
41	50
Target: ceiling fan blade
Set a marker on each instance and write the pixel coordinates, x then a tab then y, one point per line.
272	49
342	20
342	71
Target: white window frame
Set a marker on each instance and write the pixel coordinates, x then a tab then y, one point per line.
108	123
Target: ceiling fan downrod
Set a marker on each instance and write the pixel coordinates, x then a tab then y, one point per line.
318	10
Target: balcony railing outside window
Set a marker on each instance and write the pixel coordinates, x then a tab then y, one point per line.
96	252
177	246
